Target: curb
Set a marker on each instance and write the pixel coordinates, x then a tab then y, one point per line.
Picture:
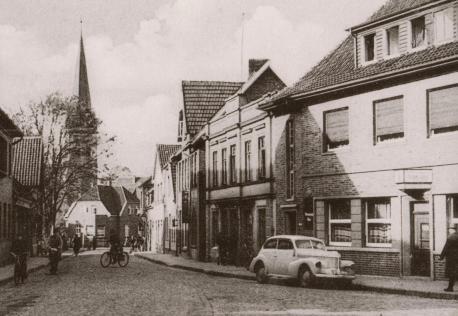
360	287
31	270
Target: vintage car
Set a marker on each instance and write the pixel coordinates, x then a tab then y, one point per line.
298	257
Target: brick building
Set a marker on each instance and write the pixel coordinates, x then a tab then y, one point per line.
370	137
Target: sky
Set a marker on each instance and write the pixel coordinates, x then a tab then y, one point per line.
138	52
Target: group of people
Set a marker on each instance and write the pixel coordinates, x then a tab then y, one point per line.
135	243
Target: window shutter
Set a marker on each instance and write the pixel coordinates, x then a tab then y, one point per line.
443	108
337	125
389	117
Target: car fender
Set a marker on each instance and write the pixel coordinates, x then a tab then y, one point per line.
294	266
256	260
346	263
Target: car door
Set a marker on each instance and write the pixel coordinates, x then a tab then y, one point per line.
269	252
285	254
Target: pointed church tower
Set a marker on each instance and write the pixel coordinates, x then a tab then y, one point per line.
81	125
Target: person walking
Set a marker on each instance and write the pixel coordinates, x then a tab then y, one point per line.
450	253
76	244
54	245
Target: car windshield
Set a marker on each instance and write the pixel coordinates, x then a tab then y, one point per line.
309	244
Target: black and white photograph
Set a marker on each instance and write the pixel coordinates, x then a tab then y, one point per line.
229	157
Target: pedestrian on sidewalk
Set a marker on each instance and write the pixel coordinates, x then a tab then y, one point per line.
450	253
53	253
76	244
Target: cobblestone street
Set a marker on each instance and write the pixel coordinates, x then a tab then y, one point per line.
83	287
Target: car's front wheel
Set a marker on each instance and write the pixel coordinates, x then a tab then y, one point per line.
305	277
261	275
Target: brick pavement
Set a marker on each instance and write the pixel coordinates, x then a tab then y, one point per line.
412	286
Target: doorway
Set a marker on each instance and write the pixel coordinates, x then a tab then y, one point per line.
290	218
420	239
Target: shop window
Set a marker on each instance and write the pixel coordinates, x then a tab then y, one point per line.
378	222
369	47
290	159
224	169
418	33
339	223
392	41
261	158
443	110
388	120
443	26
336	133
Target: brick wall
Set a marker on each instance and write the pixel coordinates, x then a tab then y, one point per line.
268	82
374	263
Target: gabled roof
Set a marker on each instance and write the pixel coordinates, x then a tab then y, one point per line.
202	99
27	160
130	197
338	68
254	76
165	151
8	126
91	195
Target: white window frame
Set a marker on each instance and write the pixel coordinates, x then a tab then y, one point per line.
453	220
410	29
445	40
363	39
376	221
386	42
337	221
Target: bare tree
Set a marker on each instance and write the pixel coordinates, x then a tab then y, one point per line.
69	130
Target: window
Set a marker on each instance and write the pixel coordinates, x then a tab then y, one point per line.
270	244
224	169
285	244
303	244
453	210
233	172
340	223
388	119
443	110
336	129
418	34
443	25
248	161
261	158
290	159
378	222
215	169
392	41
369	47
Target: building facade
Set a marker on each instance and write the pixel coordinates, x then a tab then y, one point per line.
373	129
240	194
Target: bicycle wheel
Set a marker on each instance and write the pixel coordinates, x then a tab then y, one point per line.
105	259
123	259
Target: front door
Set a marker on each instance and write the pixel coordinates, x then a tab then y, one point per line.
291	223
420	239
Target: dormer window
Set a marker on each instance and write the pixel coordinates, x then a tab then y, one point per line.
369	48
392	41
443	26
418	27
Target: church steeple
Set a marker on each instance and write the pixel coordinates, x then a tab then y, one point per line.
83	82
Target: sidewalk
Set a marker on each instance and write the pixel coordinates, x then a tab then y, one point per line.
405	286
33	264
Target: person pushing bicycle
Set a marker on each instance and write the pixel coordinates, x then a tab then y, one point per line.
115	244
19	253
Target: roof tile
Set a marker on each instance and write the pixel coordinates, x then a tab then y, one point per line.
27	160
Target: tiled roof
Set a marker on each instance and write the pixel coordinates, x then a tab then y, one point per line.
392	7
27	160
165	151
339	68
202	99
8	126
130	197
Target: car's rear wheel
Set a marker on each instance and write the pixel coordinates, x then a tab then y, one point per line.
305	277
261	275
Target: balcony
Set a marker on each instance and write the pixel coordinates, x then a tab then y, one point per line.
414	179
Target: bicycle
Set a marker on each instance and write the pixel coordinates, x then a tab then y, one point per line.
120	257
20	268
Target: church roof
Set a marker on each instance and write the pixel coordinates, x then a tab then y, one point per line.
27	160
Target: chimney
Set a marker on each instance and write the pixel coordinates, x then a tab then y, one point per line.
255	64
